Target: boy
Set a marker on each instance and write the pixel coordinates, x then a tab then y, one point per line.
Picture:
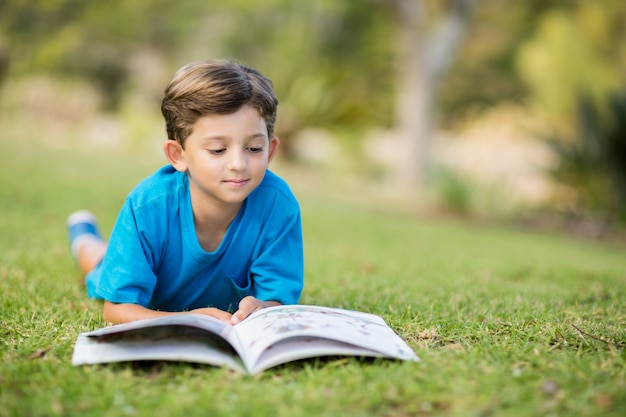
212	232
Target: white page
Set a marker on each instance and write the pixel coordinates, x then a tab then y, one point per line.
204	339
88	351
199	321
367	331
293	349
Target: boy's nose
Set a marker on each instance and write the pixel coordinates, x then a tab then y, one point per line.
237	160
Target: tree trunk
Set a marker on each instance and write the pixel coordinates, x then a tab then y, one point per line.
423	58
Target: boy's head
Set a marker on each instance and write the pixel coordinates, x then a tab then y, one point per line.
215	87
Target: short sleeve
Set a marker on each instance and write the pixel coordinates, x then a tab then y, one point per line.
126	275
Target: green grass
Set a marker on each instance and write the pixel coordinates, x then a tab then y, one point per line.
505	322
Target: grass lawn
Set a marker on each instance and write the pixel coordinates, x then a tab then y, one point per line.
505	322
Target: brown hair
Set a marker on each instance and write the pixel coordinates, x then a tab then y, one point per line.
215	87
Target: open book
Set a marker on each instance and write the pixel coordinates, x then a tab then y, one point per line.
267	338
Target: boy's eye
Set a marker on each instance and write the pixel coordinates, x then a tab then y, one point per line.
217	151
255	150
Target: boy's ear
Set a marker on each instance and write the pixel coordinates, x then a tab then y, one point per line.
175	154
273	148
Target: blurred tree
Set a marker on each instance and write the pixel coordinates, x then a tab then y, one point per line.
574	66
484	73
92	39
581	48
337	65
425	52
330	61
4	63
595	163
437	81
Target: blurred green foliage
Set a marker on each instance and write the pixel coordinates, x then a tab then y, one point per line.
595	163
92	39
575	49
329	60
333	62
575	66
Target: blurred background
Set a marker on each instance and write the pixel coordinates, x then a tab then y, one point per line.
490	109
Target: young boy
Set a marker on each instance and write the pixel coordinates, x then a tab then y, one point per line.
212	232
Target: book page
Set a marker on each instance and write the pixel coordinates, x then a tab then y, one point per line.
296	348
300	323
191	320
88	351
186	337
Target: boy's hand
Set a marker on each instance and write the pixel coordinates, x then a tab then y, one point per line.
214	312
248	306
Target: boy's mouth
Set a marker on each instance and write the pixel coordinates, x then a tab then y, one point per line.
236	182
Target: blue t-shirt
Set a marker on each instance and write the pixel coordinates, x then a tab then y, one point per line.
154	258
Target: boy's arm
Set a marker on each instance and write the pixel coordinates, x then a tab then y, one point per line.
122	313
248	306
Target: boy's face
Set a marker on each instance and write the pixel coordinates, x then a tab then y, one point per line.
226	156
